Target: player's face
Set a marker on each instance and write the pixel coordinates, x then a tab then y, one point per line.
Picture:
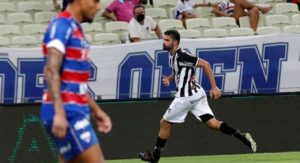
168	43
90	9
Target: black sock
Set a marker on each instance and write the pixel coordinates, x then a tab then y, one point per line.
226	129
160	144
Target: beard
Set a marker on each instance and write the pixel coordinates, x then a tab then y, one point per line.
168	48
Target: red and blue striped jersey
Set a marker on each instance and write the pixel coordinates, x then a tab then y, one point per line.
65	34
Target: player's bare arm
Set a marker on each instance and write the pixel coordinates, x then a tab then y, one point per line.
52	75
167	79
215	93
102	120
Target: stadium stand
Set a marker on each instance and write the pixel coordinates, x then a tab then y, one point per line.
19	18
43	17
224	23
157	14
2	19
30	7
30	17
198	23
291	29
241	32
296	19
277	20
25	41
209	33
106	39
170	24
267	30
189	33
288	9
4	42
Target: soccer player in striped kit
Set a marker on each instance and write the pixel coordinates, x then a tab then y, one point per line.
67	106
190	97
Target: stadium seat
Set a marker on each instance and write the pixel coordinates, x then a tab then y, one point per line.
19	18
244	21
4	42
105	3
36	30
189	33
48	5
291	29
92	28
2	20
198	23
224	23
30	7
296	19
271	2
215	33
277	20
166	4
25	41
43	17
172	14
106	39
89	38
288	9
7	8
156	13
119	27
10	30
170	24
204	12
267	30
241	32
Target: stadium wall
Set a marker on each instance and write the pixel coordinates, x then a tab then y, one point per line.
242	65
272	120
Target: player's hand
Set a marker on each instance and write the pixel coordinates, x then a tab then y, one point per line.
60	125
215	93
165	80
103	122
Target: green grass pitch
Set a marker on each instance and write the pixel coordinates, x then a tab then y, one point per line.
284	157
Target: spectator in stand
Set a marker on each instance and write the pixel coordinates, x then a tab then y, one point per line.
57	7
122	9
184	9
236	9
140	26
295	1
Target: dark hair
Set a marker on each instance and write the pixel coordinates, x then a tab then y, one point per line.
138	6
70	1
173	34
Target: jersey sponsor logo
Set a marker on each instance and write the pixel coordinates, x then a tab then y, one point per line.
81	124
65	149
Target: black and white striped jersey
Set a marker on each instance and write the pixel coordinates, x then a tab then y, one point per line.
183	69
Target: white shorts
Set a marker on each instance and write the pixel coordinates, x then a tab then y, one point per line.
179	108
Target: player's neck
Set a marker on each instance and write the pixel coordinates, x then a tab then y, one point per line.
173	51
75	12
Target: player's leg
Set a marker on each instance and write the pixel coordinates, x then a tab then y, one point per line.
91	155
203	112
176	113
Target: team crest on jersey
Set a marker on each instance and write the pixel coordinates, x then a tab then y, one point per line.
86	136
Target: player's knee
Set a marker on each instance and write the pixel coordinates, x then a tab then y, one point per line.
254	10
213	124
164	124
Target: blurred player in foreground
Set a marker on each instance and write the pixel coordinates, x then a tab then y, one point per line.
67	106
190	97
